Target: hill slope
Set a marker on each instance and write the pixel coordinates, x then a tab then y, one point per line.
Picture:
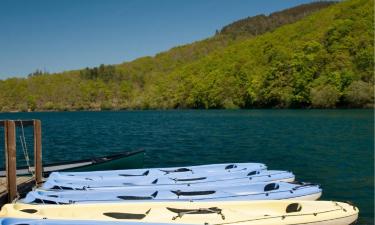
325	60
320	61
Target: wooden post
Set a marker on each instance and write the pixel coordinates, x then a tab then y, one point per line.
10	158
38	152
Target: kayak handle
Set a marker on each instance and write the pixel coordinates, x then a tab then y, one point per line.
126	216
182	212
189	179
179	170
192	193
136	175
127	197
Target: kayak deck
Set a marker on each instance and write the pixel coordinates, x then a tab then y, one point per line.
244	192
256	212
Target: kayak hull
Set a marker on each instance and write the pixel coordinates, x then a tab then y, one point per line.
308	197
189	179
279	212
132	161
16	221
126	160
248	192
210	169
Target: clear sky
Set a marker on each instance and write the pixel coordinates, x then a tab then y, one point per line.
58	35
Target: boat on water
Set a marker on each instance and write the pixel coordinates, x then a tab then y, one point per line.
16	221
129	159
247	192
232	212
209	169
189	179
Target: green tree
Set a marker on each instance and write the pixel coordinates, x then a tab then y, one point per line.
324	96
360	94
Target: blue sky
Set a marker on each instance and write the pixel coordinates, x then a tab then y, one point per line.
58	35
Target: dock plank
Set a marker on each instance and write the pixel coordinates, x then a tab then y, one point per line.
24	184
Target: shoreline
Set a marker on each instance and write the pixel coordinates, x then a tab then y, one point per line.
190	109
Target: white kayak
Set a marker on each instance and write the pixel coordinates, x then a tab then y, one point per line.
272	212
254	191
153	173
225	178
17	221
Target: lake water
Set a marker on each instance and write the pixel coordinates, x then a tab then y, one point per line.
334	148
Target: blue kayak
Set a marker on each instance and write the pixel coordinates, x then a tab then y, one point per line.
153	173
251	191
19	221
202	179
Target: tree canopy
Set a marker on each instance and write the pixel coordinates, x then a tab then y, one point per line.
314	55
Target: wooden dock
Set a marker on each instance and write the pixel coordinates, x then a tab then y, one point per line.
24	185
13	186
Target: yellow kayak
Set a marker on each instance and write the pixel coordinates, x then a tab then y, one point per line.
241	212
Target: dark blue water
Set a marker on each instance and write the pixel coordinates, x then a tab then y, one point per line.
334	148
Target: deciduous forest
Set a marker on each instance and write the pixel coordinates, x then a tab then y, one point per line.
317	55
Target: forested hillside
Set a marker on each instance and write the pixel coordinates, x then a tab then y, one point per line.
302	57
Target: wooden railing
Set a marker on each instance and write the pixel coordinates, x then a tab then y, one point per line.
10	153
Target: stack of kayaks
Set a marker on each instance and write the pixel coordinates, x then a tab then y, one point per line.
233	193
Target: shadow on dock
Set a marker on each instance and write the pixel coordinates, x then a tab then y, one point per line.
24	185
